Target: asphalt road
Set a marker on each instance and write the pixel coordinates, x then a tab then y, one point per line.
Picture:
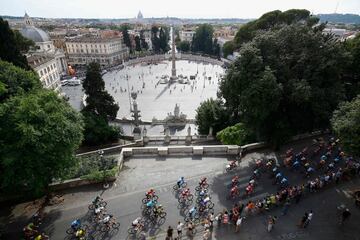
139	174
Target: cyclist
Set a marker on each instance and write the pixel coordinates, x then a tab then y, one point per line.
284	182
256	173
150	194
234	191
203	181
180	182
204	201
107	219
80	234
75	225
278	177
202	193
97	200
192	212
235	180
136	224
150	204
185	192
249	189
158	210
296	165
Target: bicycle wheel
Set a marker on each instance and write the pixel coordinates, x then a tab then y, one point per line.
144	200
131	230
103	204
91	206
181	200
115	225
176	187
184	185
105	228
211	205
206	186
197	188
163	214
70	231
155	197
190	197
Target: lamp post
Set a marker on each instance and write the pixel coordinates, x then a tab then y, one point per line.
103	165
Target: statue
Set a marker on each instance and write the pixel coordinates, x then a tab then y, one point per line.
189	131
144	131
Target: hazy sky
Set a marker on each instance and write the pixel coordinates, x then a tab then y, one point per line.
163	8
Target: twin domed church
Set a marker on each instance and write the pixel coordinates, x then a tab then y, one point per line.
47	60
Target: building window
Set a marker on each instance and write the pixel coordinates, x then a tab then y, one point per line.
48	46
41	73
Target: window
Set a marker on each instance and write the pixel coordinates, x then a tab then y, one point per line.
48	46
48	69
41	73
51	67
45	71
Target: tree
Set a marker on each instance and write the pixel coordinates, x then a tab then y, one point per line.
202	40
97	130
16	81
228	48
286	81
184	46
137	44
22	43
164	37
346	124
235	135
98	100
125	33
100	108
352	71
210	113
155	39
144	45
11	47
40	133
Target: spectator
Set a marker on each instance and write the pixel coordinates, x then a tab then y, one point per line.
238	223
170	233
179	228
307	221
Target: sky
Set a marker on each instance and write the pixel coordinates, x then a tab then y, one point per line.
171	8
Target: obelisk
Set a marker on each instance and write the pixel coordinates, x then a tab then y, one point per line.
173	68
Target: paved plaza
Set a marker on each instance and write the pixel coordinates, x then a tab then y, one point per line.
141	173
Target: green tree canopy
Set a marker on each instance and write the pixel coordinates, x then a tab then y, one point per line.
183	46
137	44
346	124
98	100
235	135
125	33
11	47
286	81
16	81
210	113
40	133
352	72
203	39
228	48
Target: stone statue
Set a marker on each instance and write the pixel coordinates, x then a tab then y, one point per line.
144	131
189	131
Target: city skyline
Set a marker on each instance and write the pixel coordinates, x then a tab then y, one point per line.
161	8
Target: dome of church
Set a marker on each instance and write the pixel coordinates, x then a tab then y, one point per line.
35	34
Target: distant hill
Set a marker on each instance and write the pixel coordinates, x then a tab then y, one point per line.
339	18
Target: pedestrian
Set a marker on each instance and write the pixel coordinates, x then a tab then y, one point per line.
271	223
189	231
303	219
307	221
225	217
285	207
207	234
218	218
170	233
238	223
345	216
179	228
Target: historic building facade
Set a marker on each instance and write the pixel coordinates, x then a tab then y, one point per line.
106	51
49	62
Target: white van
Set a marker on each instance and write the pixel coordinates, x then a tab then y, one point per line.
73	82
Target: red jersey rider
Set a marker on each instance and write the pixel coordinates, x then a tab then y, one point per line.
149	194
